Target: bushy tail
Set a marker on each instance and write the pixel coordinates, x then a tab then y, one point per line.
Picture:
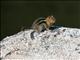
32	35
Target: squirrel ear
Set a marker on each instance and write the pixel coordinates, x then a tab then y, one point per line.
52	16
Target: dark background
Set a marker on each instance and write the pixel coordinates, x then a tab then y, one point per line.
18	14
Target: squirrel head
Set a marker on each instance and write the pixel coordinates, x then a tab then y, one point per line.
50	20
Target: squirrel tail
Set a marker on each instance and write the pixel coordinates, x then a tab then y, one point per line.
32	35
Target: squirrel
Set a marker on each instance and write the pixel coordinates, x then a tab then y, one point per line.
41	24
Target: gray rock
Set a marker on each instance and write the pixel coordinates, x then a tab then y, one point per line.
58	44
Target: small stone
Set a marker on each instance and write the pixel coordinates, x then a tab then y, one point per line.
76	49
78	44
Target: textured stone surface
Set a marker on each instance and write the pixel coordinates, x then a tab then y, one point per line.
58	44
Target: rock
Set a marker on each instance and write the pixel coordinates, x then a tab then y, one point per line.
58	44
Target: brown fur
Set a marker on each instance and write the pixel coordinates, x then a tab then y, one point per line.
38	25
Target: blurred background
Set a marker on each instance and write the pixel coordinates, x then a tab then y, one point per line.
16	15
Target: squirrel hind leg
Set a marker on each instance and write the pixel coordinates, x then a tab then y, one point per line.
46	27
42	27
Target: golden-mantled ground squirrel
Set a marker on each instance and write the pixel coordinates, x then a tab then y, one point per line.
43	24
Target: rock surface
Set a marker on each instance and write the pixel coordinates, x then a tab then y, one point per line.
58	44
